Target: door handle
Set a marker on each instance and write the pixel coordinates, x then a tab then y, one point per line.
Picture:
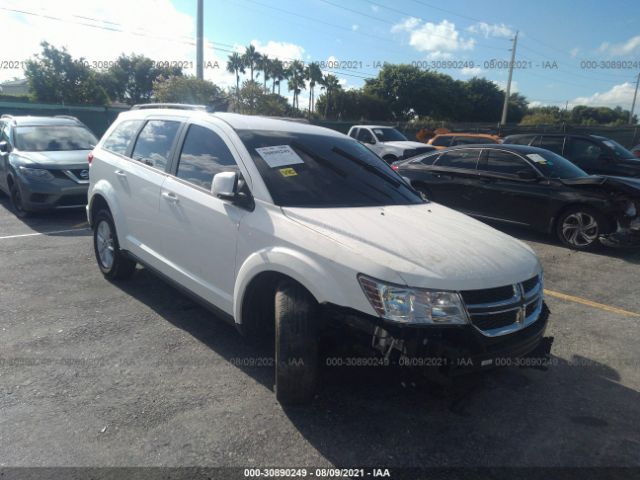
120	173
170	197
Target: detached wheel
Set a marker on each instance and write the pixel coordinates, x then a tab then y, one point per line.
580	228
296	319
113	263
16	201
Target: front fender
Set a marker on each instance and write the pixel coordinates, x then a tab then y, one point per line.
292	263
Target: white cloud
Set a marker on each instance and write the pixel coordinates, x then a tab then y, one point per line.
120	26
439	40
355	27
629	47
491	30
502	85
375	8
281	50
618	95
574	52
472	71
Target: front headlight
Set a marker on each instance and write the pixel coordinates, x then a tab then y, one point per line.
36	173
413	305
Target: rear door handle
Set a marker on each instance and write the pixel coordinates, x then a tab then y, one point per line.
170	197
120	173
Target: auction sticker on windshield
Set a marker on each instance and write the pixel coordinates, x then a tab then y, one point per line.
279	155
538	158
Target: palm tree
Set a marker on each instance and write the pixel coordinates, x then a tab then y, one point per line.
236	65
330	83
250	58
313	75
264	64
295	80
277	74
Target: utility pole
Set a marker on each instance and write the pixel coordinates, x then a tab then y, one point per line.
507	93
199	40
633	104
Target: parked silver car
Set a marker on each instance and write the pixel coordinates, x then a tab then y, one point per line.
43	162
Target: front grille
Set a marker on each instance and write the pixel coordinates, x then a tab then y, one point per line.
502	310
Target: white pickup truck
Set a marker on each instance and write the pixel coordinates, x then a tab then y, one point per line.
387	142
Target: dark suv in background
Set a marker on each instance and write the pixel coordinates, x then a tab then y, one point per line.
592	153
43	162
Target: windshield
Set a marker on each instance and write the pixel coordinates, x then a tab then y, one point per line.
618	149
389	135
553	165
54	138
305	170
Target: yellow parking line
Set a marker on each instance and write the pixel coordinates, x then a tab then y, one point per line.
584	301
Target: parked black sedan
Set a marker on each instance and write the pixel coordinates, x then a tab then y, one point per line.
532	187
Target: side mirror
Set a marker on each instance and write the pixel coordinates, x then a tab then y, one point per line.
225	185
528	175
4	147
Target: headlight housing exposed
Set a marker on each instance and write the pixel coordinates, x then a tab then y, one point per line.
414	305
36	173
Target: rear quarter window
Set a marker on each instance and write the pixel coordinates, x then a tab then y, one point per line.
121	138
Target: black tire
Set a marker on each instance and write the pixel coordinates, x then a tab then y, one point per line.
423	191
296	355
121	267
580	228
15	195
390	159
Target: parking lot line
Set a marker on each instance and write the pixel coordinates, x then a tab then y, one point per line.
584	301
54	232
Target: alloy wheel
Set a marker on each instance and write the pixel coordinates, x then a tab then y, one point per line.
580	229
104	244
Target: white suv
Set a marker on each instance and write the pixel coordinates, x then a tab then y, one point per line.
290	229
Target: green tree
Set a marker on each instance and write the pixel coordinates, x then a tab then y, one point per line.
235	65
295	80
132	77
55	76
183	89
251	57
264	65
277	74
330	84
313	75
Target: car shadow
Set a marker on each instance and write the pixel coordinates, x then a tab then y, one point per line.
67	222
574	413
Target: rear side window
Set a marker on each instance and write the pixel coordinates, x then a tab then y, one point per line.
441	141
525	140
459	159
554	144
203	155
153	146
365	135
122	136
504	163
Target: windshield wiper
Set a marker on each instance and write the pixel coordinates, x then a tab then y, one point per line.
367	166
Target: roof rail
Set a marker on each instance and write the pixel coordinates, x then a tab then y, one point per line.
6	115
68	117
177	106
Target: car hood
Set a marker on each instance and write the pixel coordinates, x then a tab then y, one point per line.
405	144
427	245
65	159
627	185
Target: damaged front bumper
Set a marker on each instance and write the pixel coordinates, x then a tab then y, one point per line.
627	234
451	350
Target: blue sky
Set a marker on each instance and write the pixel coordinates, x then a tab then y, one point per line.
559	35
560	31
